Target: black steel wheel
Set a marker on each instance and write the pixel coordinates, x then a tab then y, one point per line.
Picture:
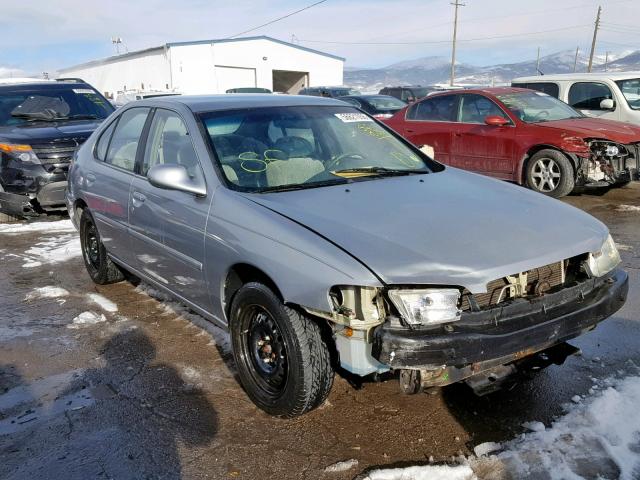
99	266
283	362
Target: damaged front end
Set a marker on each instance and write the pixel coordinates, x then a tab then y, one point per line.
608	163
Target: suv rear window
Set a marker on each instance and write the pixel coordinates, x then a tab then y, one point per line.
63	102
545	87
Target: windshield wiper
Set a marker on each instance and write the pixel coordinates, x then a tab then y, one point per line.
380	171
79	116
302	186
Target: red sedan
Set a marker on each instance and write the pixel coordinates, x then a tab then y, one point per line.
522	136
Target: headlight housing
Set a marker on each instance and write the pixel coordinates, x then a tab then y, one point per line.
604	260
429	306
23	153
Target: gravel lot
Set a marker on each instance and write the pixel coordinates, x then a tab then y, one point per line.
110	382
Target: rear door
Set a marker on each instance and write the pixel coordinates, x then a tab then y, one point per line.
168	226
109	180
586	97
432	122
479	147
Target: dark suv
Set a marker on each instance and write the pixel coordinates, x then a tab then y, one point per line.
41	126
331	92
409	93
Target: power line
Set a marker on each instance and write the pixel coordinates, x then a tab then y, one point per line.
436	42
278	19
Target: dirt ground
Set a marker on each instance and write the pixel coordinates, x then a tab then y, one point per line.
123	385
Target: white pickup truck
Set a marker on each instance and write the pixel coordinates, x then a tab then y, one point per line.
614	96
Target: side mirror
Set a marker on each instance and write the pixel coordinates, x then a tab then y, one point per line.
175	177
607	104
496	121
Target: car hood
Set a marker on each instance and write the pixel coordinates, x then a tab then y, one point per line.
447	228
43	132
596	128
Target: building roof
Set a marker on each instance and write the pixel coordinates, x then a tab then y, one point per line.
209	103
122	56
579	76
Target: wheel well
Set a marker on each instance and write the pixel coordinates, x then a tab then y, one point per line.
78	206
535	149
241	274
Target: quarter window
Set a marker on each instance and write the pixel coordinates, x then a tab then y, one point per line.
475	108
126	137
588	95
169	143
435	109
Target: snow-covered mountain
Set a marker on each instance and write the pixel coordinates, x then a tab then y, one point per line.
433	70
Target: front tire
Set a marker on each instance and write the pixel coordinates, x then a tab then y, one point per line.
283	363
551	173
99	266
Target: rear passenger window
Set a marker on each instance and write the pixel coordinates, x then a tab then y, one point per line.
588	95
125	139
169	143
545	87
435	109
103	141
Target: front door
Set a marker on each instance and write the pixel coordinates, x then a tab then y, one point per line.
588	96
168	226
479	147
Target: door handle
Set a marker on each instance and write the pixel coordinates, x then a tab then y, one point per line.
90	178
410	131
138	198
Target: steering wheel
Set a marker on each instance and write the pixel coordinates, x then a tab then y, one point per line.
334	163
541	115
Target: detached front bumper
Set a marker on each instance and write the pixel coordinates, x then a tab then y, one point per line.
503	334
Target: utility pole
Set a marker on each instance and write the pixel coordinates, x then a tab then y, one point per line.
456	4
593	42
575	61
606	60
538	63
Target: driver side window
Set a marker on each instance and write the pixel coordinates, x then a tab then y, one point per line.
475	108
169	143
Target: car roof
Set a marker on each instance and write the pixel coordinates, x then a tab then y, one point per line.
487	91
42	85
209	103
370	95
579	76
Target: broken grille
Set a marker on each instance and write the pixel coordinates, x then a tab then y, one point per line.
539	280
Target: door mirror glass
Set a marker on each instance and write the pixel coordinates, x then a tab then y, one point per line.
175	177
607	104
495	120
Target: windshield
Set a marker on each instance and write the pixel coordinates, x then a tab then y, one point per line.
385	104
535	107
48	104
343	92
283	148
631	90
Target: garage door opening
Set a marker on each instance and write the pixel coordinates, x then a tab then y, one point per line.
287	81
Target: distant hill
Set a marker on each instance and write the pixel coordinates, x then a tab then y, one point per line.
432	70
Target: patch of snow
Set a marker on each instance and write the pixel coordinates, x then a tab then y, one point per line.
342	466
534	426
103	302
486	448
27	227
628	208
427	472
87	318
597	438
53	250
47	292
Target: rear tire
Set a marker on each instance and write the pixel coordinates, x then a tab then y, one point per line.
551	173
283	363
99	266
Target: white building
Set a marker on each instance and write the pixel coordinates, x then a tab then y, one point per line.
213	66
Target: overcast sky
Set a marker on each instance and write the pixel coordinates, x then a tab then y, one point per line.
43	35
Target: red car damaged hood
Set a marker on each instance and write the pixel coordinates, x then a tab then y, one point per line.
587	127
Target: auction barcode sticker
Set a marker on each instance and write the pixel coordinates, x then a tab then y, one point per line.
353	117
